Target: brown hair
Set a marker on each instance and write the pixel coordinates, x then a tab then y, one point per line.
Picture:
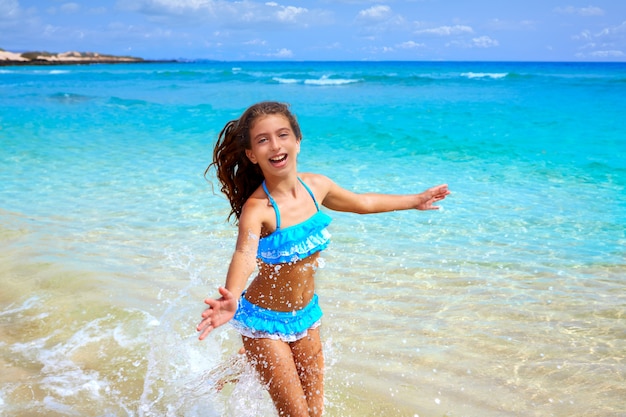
238	176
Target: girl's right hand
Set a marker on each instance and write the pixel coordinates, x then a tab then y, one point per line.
220	311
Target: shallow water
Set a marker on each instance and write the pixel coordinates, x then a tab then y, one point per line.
508	301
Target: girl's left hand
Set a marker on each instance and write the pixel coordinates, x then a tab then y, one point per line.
432	195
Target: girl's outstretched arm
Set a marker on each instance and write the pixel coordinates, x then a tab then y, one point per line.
242	265
339	199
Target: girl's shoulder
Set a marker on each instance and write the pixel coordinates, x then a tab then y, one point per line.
257	209
320	184
316	180
257	201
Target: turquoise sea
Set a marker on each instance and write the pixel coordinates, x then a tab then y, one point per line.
509	301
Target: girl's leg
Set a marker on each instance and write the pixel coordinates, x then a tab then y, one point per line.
309	359
275	364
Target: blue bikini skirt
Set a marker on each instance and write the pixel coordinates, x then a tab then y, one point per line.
256	322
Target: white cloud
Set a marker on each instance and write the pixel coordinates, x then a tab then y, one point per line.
615	30
256	42
377	21
375	13
287	13
616	33
376	50
584	35
608	54
607	43
50	30
581	11
446	30
9	9
70	7
591	11
290	13
589	45
225	13
282	53
410	45
133	33
189	8
485	42
477	42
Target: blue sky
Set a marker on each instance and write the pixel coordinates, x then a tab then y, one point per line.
478	30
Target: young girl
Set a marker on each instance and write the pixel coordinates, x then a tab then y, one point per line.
282	231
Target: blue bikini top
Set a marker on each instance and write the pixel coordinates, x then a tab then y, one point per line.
295	242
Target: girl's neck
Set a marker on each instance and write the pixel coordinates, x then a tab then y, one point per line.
279	186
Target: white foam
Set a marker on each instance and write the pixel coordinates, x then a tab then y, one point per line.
53	405
494	75
27	305
325	80
285	80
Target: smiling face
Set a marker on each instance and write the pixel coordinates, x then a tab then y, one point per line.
273	144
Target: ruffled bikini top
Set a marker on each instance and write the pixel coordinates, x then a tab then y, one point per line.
295	242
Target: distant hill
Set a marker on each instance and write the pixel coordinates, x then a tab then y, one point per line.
63	58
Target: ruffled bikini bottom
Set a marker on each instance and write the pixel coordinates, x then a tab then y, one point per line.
256	322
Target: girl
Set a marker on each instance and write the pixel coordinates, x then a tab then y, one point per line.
282	231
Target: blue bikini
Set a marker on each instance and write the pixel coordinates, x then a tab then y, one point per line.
291	244
295	242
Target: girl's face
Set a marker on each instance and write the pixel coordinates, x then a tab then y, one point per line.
273	144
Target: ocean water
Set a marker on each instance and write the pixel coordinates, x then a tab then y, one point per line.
509	301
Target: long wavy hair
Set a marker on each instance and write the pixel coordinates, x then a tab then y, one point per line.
238	176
